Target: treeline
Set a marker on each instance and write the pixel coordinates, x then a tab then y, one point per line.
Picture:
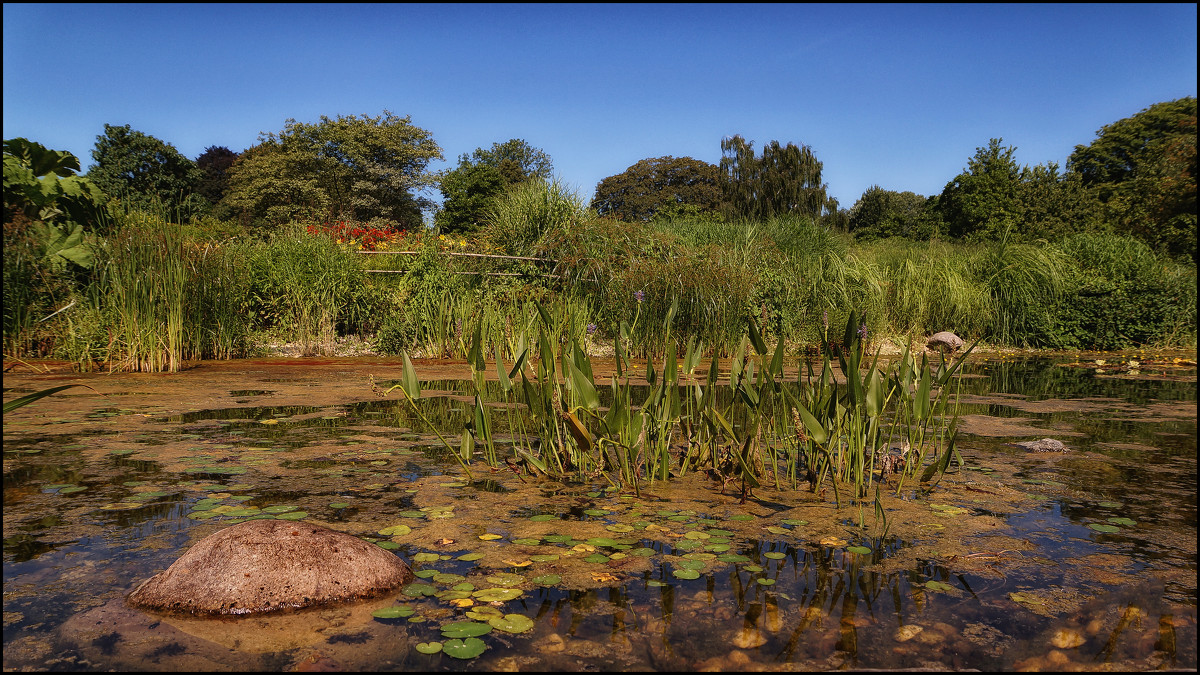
1100	255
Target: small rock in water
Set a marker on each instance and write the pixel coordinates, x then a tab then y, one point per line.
749	637
906	633
1044	445
1066	638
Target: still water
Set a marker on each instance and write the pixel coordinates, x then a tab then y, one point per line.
1017	560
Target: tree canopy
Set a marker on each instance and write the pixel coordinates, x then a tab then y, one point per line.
881	213
358	168
784	180
1143	168
658	185
515	159
483	176
143	171
214	165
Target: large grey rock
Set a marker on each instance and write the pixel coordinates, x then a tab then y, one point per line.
945	341
268	565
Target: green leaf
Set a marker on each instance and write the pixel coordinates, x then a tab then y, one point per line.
409	381
30	398
462	629
429	647
512	623
464	649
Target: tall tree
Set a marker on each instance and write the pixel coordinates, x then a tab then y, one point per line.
785	179
659	185
1143	168
881	213
983	202
143	171
214	165
358	168
469	192
516	160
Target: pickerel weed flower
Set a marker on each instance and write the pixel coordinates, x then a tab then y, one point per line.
639	296
591	329
862	332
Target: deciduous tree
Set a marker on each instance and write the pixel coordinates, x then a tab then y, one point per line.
143	171
214	165
784	180
659	185
358	168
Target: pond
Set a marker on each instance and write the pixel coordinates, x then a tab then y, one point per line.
1015	560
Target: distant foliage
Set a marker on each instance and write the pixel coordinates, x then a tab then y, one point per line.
881	213
349	168
1143	169
214	165
483	176
783	180
660	187
144	172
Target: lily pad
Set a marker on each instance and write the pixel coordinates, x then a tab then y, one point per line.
428	647
543	517
419	557
294	515
505	579
547	579
464	649
777	555
1100	527
938	586
462	629
394	612
1128	522
596	558
418	590
527	541
794	521
497	594
690	564
861	550
490	537
469	557
764	581
512	623
685	574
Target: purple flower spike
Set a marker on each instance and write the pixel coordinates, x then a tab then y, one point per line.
639	296
862	332
591	329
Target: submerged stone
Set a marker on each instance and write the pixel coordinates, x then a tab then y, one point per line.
944	341
1043	445
268	565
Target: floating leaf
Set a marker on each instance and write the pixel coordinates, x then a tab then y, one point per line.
794	521
547	579
778	530
484	613
497	594
527	541
462	629
619	527
1128	522
596	512
697	535
1100	527
861	550
339	505
294	515
733	557
685	574
428	647
490	537
447	578
596	558
690	564
389	545
774	555
396	531
464	649
938	586
418	590
765	581
512	623
543	517
469	557
506	579
394	612
419	557
425	574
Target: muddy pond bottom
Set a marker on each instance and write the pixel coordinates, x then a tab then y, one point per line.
1082	560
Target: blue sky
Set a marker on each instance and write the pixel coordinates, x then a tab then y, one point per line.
894	95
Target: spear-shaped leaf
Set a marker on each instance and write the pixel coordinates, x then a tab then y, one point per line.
409	381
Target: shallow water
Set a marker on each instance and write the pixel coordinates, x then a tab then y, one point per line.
1016	560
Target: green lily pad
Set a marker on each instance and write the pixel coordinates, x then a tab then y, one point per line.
419	557
512	623
527	541
596	558
696	534
547	579
775	555
1128	522
396	531
425	574
1100	527
418	590
619	527
794	521
428	647
469	557
411	514
453	595
861	550
642	551
294	515
389	545
497	594
462	629
718	548
447	578
558	538
752	568
938	586
73	488
733	557
339	505
603	541
685	574
505	579
690	564
778	530
543	517
394	612
484	613
596	512
464	649
764	581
